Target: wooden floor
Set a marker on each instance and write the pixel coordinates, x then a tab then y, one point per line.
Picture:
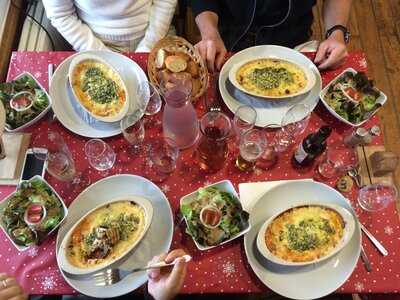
375	28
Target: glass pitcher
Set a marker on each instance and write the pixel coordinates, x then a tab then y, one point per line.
180	123
212	150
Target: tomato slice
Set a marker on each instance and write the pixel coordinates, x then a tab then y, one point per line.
34	218
353	94
35	209
211	216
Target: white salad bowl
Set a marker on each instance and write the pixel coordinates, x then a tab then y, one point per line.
86	56
381	100
307	71
62	259
348	230
225	186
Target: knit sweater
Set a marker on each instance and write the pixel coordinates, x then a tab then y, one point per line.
85	24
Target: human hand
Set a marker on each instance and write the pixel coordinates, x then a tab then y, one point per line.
213	51
165	284
10	289
331	52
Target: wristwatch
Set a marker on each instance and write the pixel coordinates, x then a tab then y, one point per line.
344	29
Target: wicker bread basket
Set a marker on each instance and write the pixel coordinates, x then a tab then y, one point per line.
173	44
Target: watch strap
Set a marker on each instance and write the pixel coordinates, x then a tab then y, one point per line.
344	29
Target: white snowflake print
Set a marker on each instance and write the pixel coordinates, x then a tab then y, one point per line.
388	230
228	268
37	74
49	283
33	252
257	171
165	188
206	183
363	63
149	162
359	286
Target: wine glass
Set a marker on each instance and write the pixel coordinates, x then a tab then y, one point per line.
100	155
149	98
163	154
293	124
251	147
337	162
244	119
376	197
59	161
132	127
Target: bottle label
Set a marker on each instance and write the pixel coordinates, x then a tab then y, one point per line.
300	155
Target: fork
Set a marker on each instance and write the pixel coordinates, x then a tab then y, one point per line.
112	276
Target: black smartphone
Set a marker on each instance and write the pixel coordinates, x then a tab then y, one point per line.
33	165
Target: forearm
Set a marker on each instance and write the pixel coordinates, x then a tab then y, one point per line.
207	22
336	12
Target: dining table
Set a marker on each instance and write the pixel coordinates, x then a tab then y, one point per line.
223	269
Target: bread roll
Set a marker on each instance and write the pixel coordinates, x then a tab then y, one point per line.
183	55
192	68
175	63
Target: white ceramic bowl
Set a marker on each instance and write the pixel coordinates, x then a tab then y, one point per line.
347	235
381	100
225	186
61	254
86	56
307	71
3	205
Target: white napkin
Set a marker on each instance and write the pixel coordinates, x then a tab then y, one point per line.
251	191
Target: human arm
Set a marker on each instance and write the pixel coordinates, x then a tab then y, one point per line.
161	14
165	284
63	17
10	289
332	51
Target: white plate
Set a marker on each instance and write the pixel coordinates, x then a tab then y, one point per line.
39	116
225	186
381	99
348	230
303	282
307	72
268	112
62	259
157	239
71	115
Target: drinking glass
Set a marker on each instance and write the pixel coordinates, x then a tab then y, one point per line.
293	124
376	197
59	161
244	119
337	162
132	127
100	155
149	98
163	154
251	147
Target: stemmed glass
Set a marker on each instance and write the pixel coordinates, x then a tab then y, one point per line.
293	124
376	197
244	120
149	98
163	154
59	161
336	162
251	147
132	127
100	155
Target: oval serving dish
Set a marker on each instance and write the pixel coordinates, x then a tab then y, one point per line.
101	81
348	226
101	237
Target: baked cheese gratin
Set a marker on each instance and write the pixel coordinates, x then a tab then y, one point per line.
304	233
271	77
105	234
98	88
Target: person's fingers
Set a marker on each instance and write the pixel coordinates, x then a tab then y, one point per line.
3	276
177	276
10	292
220	58
155	273
321	53
174	254
336	56
200	46
10	281
19	297
211	52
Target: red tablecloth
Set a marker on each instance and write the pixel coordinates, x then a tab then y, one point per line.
225	268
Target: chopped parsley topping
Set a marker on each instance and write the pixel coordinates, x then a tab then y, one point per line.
100	88
270	77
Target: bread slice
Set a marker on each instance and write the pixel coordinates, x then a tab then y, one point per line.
175	63
193	68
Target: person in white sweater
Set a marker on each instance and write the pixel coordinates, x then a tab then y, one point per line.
121	25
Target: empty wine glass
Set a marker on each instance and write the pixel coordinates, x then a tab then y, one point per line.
244	119
132	127
336	162
293	124
100	155
251	147
163	154
149	98
59	161
376	197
